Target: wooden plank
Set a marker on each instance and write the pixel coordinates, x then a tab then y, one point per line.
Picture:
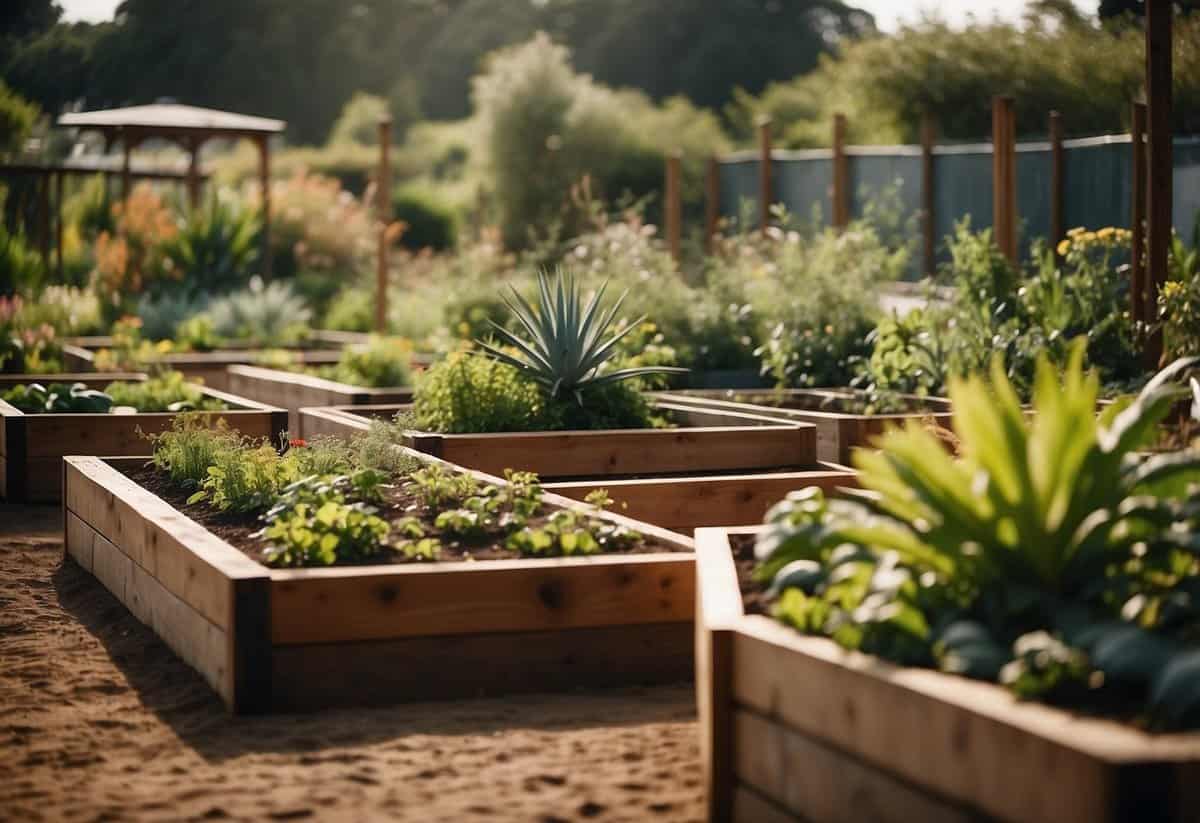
422	668
111	567
718	605
13	449
450	598
77	540
1014	761
820	784
187	559
687	503
751	807
119	435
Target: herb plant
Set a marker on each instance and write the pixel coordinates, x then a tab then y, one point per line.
312	524
187	450
1049	556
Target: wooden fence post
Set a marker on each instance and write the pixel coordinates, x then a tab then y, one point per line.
1158	171
384	210
712	204
58	223
928	223
1004	177
673	207
1057	230
764	174
1141	307
264	182
841	174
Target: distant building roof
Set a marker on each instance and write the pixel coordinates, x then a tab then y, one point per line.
172	117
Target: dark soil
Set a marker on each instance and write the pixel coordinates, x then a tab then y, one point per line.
238	529
755	599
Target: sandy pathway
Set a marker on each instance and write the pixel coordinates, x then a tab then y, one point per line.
98	721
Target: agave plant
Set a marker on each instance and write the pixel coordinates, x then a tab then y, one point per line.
1050	555
566	351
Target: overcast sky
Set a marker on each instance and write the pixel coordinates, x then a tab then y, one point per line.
888	13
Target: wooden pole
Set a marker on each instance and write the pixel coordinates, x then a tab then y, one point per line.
764	174
264	182
1141	307
1057	229
58	223
673	208
1010	168
1158	171
841	174
384	208
928	226
712	203
45	181
125	176
193	173
1003	179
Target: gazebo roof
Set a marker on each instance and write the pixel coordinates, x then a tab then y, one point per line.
172	118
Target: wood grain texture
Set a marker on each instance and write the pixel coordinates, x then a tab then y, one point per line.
474	665
687	503
819	784
1012	761
463	598
751	807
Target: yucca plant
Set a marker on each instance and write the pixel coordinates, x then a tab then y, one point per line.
566	351
1048	555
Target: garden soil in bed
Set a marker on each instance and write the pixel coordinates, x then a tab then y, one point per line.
100	721
239	530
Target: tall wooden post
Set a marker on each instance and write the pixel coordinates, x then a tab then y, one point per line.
928	217
673	207
45	180
1004	177
1141	306
264	182
126	176
1057	229
712	203
384	209
193	173
764	174
58	223
1158	171
841	174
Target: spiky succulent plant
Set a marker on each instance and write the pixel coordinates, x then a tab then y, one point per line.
566	349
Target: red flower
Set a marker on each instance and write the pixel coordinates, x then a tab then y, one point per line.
297	442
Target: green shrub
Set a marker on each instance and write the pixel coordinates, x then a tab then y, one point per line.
430	222
168	391
246	479
383	362
189	447
271	314
17	117
470	393
215	251
1048	556
21	267
353	309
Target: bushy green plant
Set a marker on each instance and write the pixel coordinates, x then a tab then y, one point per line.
429	222
162	315
77	398
271	314
21	267
313	524
189	447
470	393
353	309
24	346
165	392
216	249
246	479
67	309
382	362
1047	556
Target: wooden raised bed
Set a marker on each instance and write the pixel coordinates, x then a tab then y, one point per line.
719	468
838	433
795	728
299	639
32	446
294	391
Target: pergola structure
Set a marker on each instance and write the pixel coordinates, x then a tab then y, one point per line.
190	127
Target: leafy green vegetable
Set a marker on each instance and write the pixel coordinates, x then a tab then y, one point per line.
166	392
77	398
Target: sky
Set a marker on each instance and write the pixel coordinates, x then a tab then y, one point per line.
888	13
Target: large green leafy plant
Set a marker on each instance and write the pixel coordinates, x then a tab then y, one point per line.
1048	556
567	350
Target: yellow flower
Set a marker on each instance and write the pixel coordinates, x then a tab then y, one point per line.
1075	232
1106	232
1063	248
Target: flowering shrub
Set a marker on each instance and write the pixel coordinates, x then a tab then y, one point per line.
318	226
132	256
26	346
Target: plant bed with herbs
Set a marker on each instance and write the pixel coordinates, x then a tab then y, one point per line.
846	419
378	371
44	417
735	487
1026	611
362	573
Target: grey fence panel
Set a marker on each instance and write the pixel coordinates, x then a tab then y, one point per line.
1097	186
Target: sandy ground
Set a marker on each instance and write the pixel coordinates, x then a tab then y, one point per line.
99	721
